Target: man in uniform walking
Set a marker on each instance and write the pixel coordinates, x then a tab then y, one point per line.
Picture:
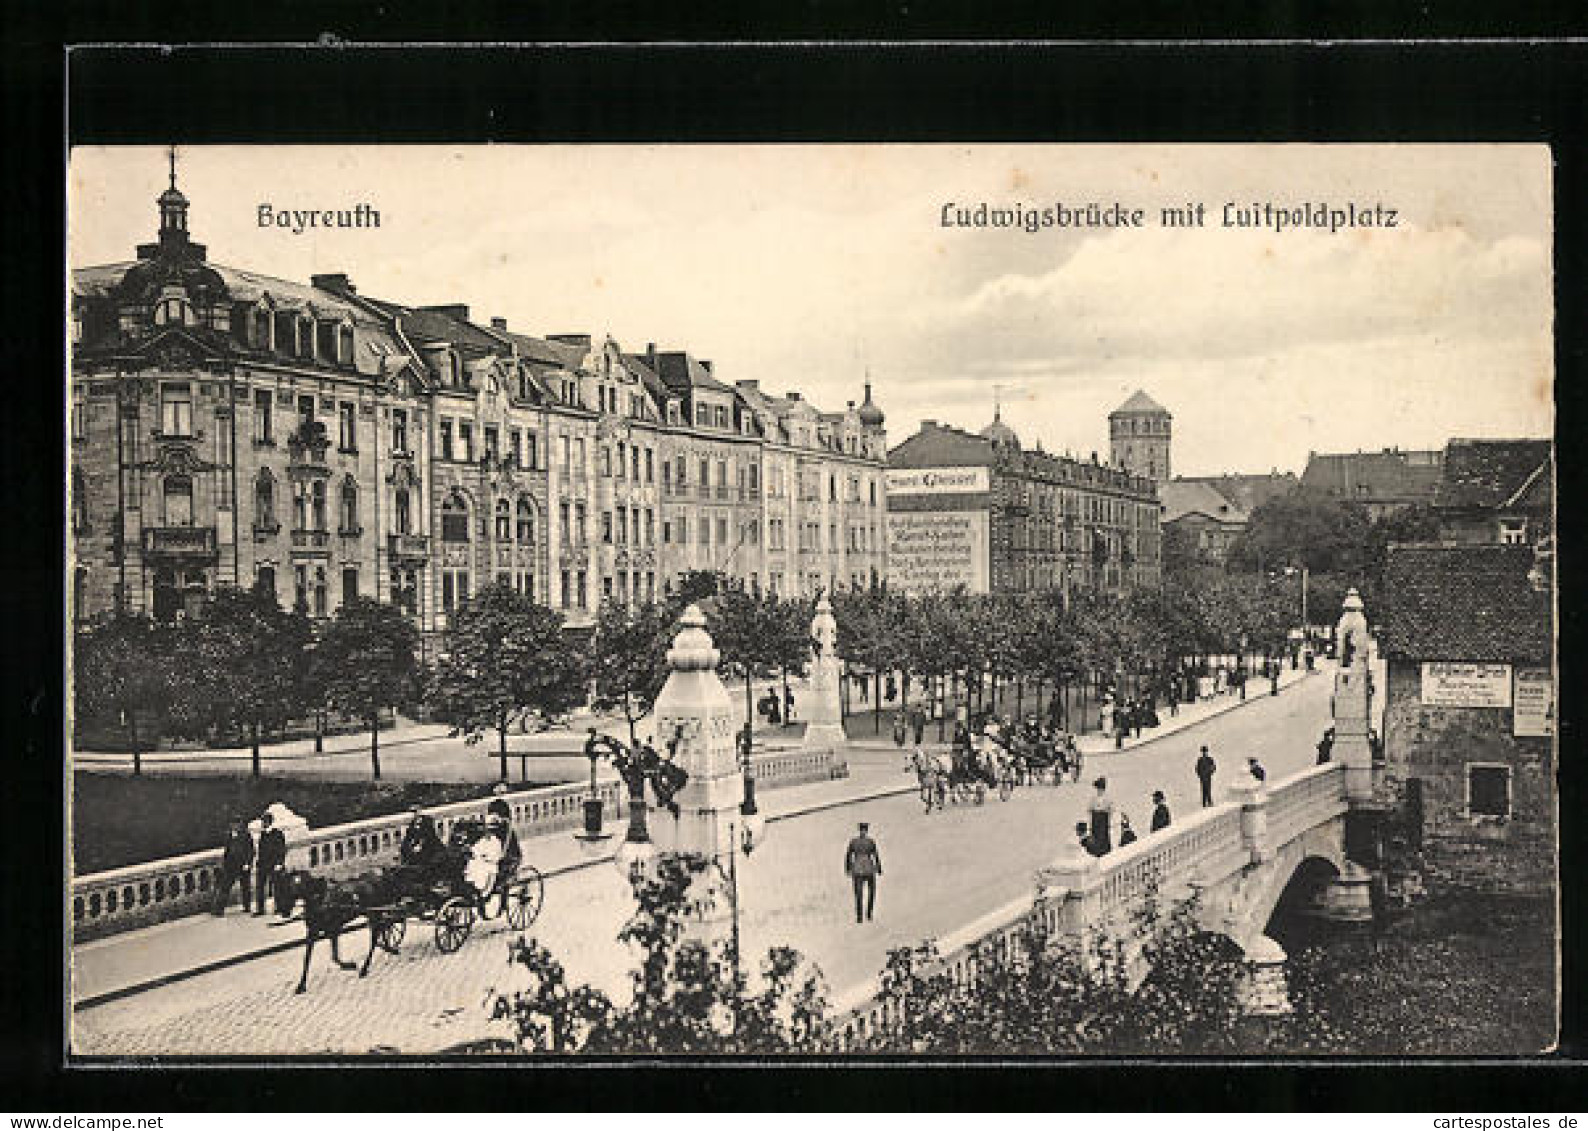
1205	768
863	864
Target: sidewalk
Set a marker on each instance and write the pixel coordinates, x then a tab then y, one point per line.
133	961
1097	745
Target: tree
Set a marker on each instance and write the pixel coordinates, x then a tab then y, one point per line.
368	659
240	665
1303	527
121	667
504	656
628	658
748	631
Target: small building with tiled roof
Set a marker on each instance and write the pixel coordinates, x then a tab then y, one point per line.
1383	482
1497	491
1467	634
1209	520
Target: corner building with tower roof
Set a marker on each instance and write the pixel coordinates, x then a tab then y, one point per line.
231	428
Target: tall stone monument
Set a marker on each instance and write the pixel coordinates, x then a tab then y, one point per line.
824	729
695	711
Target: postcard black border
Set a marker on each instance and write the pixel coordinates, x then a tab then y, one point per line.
1299	92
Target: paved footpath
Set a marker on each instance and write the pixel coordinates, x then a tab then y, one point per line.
943	870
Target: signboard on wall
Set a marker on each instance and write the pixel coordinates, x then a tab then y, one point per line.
939	481
932	552
1466	685
1533	706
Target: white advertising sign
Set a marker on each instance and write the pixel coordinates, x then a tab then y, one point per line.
1466	685
939	481
932	552
1534	703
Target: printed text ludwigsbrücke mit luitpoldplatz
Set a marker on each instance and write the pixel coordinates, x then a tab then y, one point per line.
1329	216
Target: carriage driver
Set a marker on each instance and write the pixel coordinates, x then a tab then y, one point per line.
499	821
421	846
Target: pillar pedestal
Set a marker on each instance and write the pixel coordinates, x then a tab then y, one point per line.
1349	897
824	728
1265	992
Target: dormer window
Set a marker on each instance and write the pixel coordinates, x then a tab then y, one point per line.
174	311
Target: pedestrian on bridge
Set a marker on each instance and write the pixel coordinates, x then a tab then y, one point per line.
1205	770
1127	835
1255	768
1083	837
1160	811
1102	814
271	860
863	864
236	859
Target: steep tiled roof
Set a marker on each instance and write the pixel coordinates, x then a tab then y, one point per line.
423	325
1140	402
938	445
681	371
1181	497
1464	603
1387	476
1487	473
1246	492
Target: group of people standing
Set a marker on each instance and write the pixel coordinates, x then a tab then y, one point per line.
242	858
774	709
1096	835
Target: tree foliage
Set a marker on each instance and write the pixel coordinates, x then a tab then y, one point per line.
121	668
504	659
366	661
628	657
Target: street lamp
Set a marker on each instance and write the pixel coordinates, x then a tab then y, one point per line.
636	854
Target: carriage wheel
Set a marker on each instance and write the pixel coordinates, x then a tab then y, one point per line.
389	935
525	897
453	923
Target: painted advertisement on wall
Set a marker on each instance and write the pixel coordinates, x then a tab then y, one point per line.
1466	685
935	551
1533	707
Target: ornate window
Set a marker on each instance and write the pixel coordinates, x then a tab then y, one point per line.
265	501
404	508
176	409
178	494
526	523
344	344
317	503
173	311
454	519
504	521
349	506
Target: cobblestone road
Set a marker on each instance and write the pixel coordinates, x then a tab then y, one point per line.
942	871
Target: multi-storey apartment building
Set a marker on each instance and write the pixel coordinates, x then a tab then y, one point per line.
981	511
230	428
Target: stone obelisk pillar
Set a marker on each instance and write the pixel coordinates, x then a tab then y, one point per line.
824	728
1353	699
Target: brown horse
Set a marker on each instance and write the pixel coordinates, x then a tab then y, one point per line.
329	908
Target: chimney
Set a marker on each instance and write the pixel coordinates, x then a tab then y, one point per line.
582	340
458	310
925	424
793	396
337	283
706	365
650	352
498	323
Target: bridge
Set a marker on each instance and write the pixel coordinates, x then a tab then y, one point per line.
962	877
1232	863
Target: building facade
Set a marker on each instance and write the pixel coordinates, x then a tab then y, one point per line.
1383	482
1497	491
228	428
1469	717
981	511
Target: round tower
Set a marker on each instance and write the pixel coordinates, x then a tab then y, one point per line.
1139	434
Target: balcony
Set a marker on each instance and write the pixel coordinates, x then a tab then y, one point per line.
409	547
311	540
306	448
179	544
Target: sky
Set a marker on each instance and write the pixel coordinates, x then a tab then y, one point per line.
808	267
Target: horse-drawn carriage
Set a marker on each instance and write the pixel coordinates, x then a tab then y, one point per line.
450	886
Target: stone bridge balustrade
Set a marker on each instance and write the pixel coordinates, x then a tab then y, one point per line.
1235	858
140	895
